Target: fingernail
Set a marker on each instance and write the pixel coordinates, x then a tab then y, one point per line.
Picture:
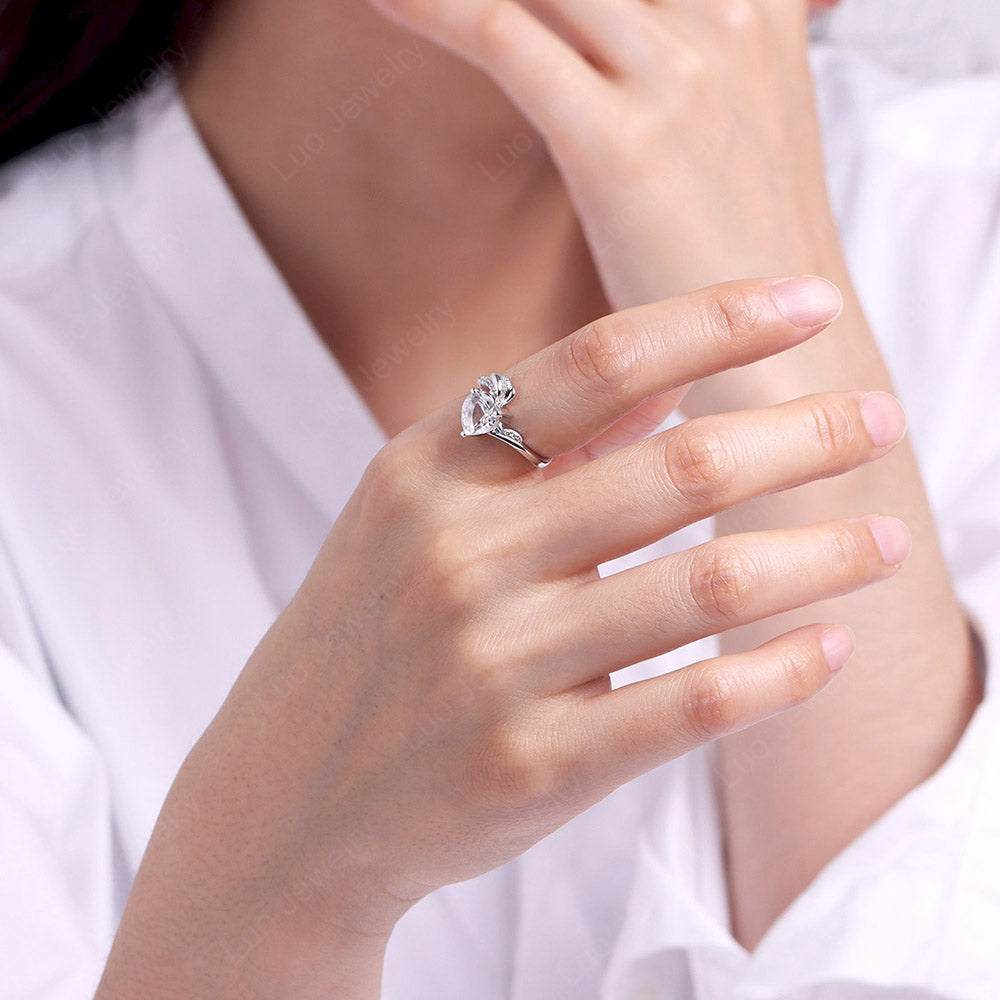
883	418
838	644
808	301
892	538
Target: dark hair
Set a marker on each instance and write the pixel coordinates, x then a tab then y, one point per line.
66	62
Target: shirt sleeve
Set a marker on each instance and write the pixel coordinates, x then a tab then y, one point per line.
56	872
914	902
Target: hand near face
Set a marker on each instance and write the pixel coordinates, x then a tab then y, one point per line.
685	130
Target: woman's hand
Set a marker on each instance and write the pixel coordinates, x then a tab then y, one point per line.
685	130
435	698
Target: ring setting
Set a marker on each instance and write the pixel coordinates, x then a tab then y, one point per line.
492	393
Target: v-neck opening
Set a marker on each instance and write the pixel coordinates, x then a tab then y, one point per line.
193	243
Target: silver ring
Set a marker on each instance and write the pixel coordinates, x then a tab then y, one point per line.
491	395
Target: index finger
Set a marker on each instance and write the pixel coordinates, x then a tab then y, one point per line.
571	391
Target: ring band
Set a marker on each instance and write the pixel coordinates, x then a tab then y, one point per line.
491	395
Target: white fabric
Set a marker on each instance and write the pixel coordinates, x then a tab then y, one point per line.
932	39
175	441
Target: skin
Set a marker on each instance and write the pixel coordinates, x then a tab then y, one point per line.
399	728
254	810
714	125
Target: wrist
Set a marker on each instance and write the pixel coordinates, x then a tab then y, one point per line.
843	357
280	955
213	917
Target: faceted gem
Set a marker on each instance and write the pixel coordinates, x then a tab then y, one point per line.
495	393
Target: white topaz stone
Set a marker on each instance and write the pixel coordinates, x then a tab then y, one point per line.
495	392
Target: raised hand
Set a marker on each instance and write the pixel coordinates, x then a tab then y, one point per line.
436	696
684	130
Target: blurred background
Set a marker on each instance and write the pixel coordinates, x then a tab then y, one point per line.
58	63
931	39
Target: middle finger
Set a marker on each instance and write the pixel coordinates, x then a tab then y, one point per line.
640	493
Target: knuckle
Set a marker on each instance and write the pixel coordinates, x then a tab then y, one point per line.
449	568
798	671
512	770
850	557
485	672
601	356
712	705
493	30
739	15
393	480
387	465
733	318
835	430
689	62
699	463
722	583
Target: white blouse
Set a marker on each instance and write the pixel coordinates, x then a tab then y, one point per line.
175	442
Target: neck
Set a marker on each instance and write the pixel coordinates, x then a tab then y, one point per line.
339	116
386	177
334	92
